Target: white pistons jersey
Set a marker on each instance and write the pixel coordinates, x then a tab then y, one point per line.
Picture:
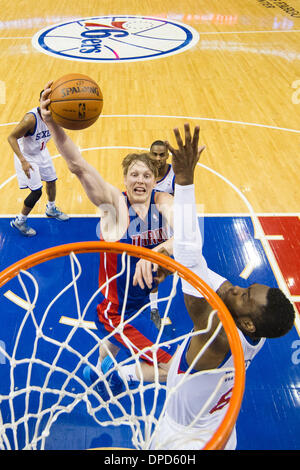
34	146
167	183
201	398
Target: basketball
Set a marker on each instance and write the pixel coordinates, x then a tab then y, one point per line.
76	101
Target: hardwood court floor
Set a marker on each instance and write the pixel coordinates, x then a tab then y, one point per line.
240	82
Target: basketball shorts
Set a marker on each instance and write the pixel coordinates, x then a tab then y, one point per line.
138	334
43	171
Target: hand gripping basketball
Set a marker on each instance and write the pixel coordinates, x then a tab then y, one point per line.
75	101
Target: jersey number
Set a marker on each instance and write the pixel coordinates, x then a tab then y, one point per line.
42	146
224	400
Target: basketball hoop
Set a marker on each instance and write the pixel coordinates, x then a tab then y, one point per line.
8	428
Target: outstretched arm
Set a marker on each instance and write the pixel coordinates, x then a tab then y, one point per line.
187	236
188	249
97	189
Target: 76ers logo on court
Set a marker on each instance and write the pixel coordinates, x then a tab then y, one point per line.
115	39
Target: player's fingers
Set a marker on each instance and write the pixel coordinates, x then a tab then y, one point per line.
170	149
45	107
160	276
154	267
178	138
187	134
200	150
147	273
48	85
196	135
135	276
46	95
143	274
138	278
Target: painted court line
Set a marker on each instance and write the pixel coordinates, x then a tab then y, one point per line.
203	119
197	118
274	237
248	269
204	33
79	323
18	300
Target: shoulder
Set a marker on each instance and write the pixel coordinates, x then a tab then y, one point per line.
114	218
29	117
32	119
118	199
33	114
25	126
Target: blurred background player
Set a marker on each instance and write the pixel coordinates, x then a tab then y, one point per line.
165	179
33	165
165	182
259	312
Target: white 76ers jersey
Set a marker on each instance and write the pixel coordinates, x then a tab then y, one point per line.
183	426
167	183
33	146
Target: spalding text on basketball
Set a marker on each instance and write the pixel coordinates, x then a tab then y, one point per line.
79	89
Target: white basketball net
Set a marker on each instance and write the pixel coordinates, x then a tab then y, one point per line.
31	401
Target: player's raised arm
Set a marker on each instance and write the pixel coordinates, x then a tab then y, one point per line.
97	189
186	156
187	236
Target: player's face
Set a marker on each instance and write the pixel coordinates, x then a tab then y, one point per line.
242	301
139	182
159	154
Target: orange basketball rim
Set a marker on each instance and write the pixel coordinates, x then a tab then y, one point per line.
220	437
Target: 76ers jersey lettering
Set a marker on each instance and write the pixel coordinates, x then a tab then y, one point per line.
193	395
199	402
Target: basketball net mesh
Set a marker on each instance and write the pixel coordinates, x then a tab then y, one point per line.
39	386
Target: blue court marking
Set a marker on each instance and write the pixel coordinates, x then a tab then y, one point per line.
269	417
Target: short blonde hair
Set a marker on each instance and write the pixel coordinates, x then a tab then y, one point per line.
140	157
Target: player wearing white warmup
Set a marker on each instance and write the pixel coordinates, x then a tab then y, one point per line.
33	164
259	312
165	182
